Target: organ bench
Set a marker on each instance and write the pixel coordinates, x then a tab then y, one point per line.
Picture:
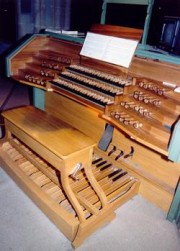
56	165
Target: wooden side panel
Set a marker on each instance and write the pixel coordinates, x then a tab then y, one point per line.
79	116
41	58
153	69
64	47
25	54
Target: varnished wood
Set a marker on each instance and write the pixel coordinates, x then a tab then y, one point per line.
46	129
117	31
38	161
155	69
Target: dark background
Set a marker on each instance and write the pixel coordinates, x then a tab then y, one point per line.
86	12
8	24
128	15
161	9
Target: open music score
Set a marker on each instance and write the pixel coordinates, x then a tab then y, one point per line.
110	49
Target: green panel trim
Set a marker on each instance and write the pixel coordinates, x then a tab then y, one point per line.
147	51
39	98
127	1
147	21
103	13
174	145
174	212
105	2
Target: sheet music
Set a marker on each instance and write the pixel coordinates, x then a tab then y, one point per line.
110	49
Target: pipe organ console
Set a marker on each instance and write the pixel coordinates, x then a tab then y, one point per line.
55	155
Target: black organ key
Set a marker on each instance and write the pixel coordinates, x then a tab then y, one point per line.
119	176
105	167
130	154
87	82
79	93
101	163
112	151
114	173
96	161
119	155
95	76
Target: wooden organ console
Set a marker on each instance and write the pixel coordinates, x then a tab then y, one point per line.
56	156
